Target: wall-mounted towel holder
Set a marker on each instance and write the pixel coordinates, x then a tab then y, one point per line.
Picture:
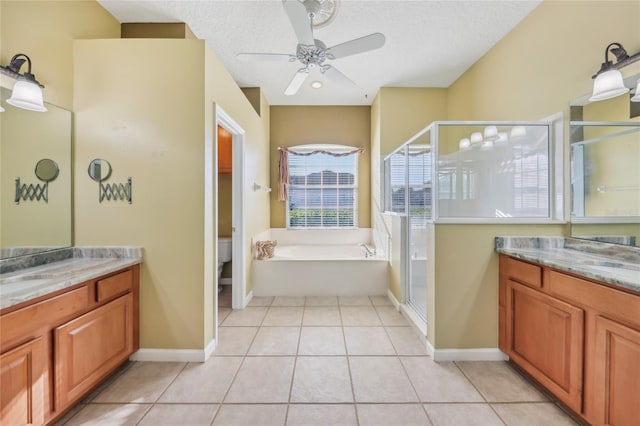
258	187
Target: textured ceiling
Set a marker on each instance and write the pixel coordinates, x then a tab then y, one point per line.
428	43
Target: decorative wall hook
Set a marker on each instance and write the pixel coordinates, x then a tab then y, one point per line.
100	170
46	170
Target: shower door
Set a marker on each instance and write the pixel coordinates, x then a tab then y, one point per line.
419	167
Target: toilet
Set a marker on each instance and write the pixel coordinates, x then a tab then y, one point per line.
224	254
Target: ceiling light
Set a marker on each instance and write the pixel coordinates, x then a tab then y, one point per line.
608	80
316	84
27	92
636	97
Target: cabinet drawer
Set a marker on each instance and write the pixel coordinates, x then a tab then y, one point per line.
606	300
114	285
524	273
25	322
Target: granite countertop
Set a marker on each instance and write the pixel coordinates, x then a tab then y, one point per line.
613	264
84	263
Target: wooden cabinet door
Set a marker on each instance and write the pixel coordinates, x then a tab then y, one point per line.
545	337
22	383
615	370
90	347
225	149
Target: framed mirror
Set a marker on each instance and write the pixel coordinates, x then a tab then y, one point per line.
43	139
605	171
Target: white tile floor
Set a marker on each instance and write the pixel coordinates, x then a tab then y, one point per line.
317	361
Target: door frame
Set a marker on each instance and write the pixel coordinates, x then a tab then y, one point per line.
239	286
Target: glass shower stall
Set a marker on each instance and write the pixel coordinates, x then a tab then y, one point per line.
467	172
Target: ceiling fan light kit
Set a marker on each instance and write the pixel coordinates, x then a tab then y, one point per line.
313	53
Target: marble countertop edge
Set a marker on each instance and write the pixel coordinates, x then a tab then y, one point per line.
30	283
609	269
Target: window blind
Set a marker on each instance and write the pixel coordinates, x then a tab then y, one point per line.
323	191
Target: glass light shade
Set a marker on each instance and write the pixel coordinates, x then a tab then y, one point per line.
503	138
491	133
27	96
1	109
487	144
476	137
608	85
636	97
518	131
465	143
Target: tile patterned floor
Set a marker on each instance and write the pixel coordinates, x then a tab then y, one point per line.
316	361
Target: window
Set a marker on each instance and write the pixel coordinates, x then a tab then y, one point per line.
323	189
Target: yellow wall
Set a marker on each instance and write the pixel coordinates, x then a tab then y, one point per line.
396	115
528	75
611	162
165	140
45	30
224	205
301	125
26	138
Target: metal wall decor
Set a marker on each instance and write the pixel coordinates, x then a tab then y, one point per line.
46	170
100	170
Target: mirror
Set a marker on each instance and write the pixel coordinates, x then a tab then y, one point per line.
99	170
44	139
605	176
47	170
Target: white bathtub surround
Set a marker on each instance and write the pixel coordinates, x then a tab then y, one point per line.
320	263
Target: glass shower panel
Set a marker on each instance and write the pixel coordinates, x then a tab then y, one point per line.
493	171
419	200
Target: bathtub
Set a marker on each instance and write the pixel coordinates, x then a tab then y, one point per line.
320	263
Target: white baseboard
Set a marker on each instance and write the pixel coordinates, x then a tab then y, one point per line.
174	355
477	354
414	319
247	299
393	299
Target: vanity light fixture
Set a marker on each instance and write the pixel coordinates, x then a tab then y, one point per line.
608	81
636	97
476	138
464	143
27	91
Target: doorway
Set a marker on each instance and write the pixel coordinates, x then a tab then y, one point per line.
238	278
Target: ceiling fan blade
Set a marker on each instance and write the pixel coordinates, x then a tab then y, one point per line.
358	45
333	74
268	57
296	82
300	21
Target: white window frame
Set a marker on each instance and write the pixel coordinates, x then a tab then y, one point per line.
355	186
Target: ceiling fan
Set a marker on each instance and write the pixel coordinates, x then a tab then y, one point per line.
311	52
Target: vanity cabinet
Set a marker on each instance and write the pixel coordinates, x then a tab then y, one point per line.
578	338
22	384
56	348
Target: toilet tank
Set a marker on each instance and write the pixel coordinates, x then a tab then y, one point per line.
224	249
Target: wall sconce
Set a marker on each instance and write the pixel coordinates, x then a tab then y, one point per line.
608	80
636	97
27	92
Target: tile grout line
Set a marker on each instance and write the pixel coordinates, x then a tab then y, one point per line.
235	376
479	392
346	352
